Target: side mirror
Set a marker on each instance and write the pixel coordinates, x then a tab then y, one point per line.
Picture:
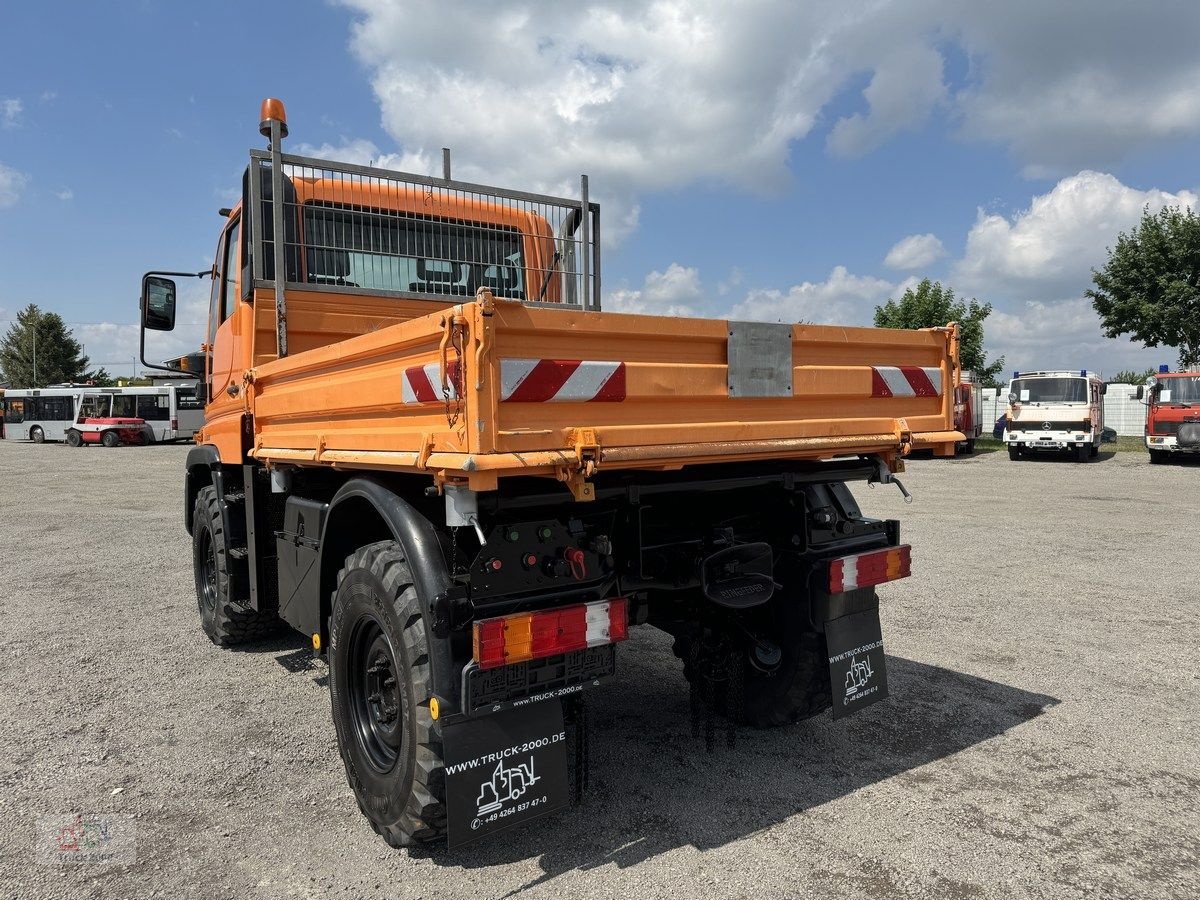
1104	388
158	303
1141	392
1012	399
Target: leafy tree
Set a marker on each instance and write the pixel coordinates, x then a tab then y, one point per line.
1128	376
39	350
930	305
1150	286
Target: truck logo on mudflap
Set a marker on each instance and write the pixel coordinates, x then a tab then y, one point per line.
860	673
506	785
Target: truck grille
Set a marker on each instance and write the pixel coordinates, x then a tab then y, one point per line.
1055	425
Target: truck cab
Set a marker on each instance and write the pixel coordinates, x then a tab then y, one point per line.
1055	412
1172	415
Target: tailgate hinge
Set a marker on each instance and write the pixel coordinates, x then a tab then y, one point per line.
587	459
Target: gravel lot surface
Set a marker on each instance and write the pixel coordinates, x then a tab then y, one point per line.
1041	739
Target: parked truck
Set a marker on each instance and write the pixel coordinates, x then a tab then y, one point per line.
1055	412
1172	415
428	450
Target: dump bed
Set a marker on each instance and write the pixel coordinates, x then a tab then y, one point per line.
493	388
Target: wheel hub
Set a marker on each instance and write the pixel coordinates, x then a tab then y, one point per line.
376	695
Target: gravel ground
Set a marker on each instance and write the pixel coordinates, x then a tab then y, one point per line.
1041	739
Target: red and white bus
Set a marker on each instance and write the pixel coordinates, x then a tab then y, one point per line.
171	412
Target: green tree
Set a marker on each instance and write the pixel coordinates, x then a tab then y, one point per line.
930	305
1150	286
1128	376
39	350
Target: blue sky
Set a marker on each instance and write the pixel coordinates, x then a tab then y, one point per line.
767	164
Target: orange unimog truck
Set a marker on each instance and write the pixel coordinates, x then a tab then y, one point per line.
428	450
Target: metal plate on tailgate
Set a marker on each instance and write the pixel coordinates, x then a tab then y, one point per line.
760	359
857	670
503	770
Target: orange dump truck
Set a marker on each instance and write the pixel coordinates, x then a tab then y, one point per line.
428	450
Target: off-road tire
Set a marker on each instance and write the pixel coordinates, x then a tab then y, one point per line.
1158	457
224	619
110	439
74	438
798	688
1094	451
1082	453
400	787
969	448
1014	453
37	435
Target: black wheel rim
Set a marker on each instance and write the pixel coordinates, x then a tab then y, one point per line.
208	572
375	694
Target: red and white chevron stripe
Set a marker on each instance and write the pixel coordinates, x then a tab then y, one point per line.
559	380
421	383
906	381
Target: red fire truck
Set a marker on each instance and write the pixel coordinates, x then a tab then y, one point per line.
1172	415
968	409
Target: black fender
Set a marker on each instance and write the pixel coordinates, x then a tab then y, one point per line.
203	468
365	510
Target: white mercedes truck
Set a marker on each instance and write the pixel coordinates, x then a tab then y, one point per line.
1059	412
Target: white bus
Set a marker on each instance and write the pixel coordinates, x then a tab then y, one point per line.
171	412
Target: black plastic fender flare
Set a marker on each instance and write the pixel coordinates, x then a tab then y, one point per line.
418	539
203	465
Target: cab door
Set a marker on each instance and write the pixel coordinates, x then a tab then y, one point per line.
225	362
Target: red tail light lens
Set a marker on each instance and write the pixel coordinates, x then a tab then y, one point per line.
512	639
869	569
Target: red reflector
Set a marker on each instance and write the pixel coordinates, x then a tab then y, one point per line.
550	633
869	569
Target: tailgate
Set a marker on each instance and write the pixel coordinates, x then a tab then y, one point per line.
654	388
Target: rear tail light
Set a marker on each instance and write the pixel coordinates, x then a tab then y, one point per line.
867	569
512	639
174	424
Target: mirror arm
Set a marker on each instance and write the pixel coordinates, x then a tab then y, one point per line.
142	323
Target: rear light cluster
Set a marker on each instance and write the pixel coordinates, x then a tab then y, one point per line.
867	569
512	639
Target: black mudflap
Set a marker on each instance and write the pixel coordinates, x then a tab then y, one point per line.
857	671
504	769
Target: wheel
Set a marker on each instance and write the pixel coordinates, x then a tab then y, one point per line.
795	687
1082	453
380	686
969	447
1094	451
110	439
1158	457
223	618
74	438
37	435
1014	452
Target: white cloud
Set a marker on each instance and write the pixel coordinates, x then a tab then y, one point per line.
648	97
675	292
65	194
915	252
1049	249
906	86
12	183
842	298
10	112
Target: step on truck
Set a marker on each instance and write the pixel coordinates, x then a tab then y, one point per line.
1055	412
1172	415
428	450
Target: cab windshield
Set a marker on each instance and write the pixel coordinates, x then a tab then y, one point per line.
1179	389
1050	390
